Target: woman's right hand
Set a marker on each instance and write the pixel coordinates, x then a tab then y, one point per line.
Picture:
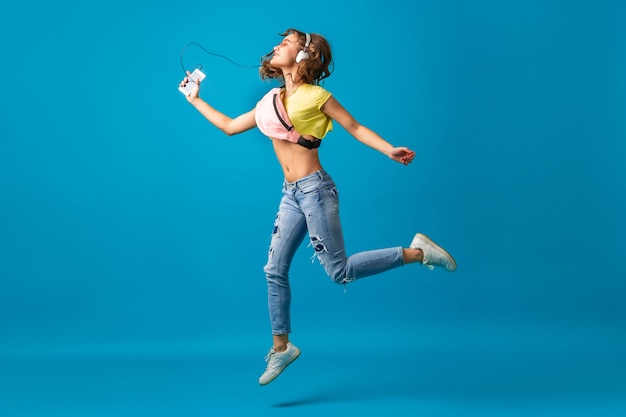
193	91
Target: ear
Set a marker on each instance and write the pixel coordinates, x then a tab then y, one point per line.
302	55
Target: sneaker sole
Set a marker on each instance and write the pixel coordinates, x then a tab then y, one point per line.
430	241
283	370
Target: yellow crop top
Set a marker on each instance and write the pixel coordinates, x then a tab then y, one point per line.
304	109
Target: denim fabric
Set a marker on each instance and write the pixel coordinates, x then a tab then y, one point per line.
311	205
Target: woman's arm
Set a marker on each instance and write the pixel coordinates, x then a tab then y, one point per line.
337	112
224	123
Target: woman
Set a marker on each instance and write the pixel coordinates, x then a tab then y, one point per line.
296	117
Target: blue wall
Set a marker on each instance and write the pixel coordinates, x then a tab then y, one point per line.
127	220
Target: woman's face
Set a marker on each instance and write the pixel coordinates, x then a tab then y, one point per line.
286	51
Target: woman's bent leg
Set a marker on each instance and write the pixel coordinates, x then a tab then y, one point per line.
321	211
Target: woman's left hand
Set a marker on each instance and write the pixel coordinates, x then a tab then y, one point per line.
403	155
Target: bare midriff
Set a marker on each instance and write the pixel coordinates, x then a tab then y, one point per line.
296	160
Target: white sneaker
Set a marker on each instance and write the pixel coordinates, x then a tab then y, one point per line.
277	362
434	255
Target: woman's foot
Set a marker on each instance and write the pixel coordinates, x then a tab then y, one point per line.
433	254
277	362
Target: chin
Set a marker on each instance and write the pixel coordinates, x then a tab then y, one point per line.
280	61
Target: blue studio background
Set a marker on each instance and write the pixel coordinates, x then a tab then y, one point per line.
133	233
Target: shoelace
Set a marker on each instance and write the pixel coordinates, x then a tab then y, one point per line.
269	355
425	262
429	266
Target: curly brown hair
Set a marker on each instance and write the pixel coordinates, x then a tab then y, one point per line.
310	71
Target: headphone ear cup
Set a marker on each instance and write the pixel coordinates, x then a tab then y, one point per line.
302	55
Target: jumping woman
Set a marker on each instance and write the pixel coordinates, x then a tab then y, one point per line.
296	117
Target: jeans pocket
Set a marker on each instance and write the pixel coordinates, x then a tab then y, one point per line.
308	187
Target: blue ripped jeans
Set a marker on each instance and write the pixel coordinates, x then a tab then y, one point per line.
311	205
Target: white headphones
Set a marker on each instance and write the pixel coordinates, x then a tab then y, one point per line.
303	54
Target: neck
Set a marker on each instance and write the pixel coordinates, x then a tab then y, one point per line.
290	84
